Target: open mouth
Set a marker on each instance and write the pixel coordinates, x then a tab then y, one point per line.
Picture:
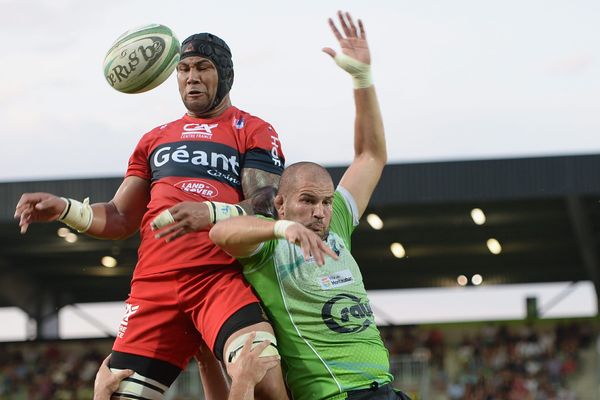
195	92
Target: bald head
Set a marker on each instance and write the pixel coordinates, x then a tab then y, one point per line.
306	196
297	174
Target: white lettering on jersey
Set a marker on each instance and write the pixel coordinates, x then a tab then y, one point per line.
275	151
197	157
198	130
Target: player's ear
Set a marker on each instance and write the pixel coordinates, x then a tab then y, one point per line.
278	202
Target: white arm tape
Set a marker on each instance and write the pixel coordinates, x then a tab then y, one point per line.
280	227
361	72
233	351
77	215
219	211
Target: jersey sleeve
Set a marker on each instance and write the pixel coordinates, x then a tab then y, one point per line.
345	215
263	149
138	162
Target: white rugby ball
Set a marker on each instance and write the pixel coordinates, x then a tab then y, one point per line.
141	59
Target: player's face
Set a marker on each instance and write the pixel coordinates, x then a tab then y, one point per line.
311	205
198	80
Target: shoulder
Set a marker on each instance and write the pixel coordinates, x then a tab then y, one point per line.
162	129
344	202
244	119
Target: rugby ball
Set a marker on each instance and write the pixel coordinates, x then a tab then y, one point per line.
141	59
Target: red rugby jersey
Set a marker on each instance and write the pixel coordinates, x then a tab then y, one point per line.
194	159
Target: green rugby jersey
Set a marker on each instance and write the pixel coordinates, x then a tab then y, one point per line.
325	327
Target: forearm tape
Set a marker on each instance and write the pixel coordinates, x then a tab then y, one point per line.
360	72
219	211
77	215
280	227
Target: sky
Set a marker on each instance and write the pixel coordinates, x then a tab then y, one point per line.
456	80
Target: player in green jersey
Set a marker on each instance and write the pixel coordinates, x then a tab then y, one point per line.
301	265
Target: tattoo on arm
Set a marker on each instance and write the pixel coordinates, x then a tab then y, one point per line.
253	182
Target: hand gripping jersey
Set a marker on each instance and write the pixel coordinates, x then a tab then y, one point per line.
325	327
193	159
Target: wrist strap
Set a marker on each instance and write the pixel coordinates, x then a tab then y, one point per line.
280	227
219	211
360	72
77	215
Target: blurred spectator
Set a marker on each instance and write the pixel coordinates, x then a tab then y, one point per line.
44	371
494	363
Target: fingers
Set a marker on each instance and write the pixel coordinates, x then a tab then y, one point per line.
248	343
173	227
177	235
261	346
312	245
304	242
163	219
316	251
344	24
105	362
309	244
348	26
24	221
363	34
330	51
351	25
126	373
335	30
22	206
327	250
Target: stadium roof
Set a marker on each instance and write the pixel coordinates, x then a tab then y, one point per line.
543	211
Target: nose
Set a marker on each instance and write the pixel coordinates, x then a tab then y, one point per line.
193	76
319	211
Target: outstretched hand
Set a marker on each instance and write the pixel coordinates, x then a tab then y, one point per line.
353	42
310	242
38	207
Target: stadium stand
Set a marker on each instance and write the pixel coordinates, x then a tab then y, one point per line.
548	360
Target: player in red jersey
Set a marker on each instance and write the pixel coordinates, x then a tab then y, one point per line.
186	290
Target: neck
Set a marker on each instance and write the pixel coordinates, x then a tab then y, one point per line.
215	112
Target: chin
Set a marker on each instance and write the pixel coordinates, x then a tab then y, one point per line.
197	108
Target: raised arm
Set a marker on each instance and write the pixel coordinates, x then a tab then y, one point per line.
370	154
116	219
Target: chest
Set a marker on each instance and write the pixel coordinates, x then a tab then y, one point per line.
306	279
211	151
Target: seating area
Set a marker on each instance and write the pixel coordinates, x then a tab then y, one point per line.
498	362
44	371
461	362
